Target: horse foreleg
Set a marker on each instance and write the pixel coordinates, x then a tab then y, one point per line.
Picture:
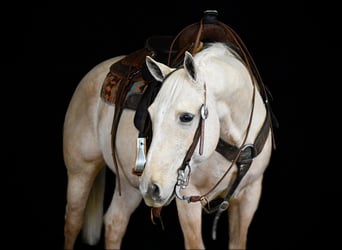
117	216
241	211
190	218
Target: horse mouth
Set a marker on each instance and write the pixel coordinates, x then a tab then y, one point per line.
158	201
170	199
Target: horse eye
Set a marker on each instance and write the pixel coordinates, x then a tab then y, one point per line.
186	117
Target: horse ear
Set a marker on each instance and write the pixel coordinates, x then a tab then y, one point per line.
158	70
189	65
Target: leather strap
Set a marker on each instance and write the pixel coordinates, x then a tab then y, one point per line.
229	151
243	163
128	69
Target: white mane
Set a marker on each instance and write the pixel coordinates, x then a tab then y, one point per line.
215	50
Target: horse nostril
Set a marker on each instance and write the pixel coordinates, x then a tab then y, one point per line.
154	191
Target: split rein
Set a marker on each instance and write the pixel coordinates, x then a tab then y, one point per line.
184	171
238	159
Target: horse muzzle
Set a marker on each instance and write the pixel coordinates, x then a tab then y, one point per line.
156	196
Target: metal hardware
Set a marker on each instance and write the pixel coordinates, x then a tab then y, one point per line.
182	182
204	111
222	207
140	159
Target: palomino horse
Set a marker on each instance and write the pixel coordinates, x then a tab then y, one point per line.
211	140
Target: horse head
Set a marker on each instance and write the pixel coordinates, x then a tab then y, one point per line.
175	115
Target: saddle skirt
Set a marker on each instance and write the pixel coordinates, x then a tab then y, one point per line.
124	84
111	84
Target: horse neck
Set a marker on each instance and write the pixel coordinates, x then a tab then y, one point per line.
238	103
233	89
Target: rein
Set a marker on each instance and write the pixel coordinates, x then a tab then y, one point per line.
241	156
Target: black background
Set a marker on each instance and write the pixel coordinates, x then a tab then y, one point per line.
56	46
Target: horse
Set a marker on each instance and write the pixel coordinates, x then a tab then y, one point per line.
211	140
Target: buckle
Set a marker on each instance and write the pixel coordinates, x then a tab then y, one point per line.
223	206
248	153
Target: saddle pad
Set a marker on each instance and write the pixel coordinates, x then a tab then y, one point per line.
125	78
111	85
